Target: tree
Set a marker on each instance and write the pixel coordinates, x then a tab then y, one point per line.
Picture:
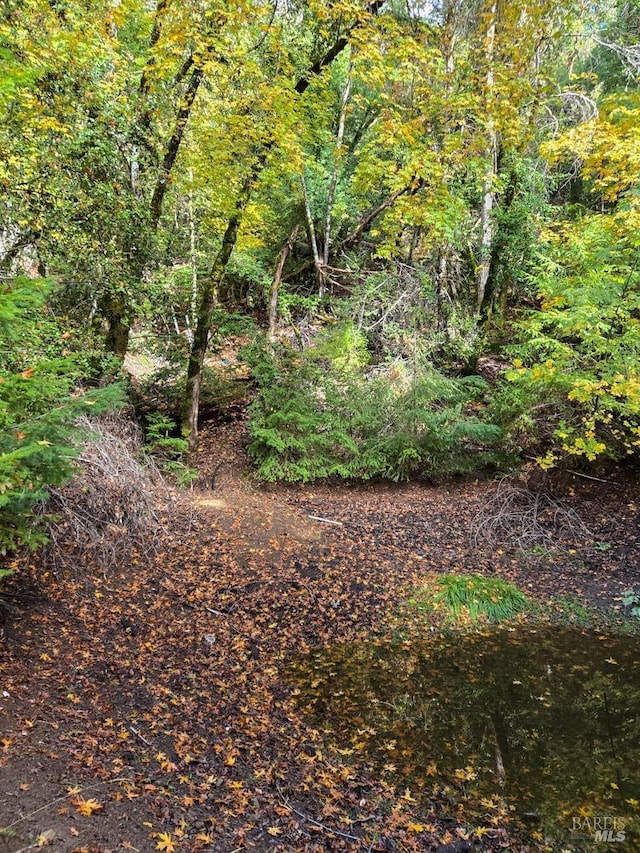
262	143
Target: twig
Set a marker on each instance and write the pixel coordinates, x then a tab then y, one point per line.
580	474
60	799
215	612
139	736
220	613
325	520
325	827
317	822
589	477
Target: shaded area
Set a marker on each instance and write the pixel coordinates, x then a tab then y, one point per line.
547	720
158	686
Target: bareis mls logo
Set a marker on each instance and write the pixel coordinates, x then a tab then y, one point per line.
604	828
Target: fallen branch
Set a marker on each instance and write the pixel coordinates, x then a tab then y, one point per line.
325	520
139	736
527	519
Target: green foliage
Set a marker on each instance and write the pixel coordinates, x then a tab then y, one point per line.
343	346
631	599
475	597
159	439
168	450
314	418
290	304
39	402
577	364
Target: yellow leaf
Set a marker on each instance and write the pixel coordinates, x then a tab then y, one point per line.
416	827
46	838
86	807
274	830
165	842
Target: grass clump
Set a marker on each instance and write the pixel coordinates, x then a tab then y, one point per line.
474	598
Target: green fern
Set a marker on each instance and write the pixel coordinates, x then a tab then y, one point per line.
312	420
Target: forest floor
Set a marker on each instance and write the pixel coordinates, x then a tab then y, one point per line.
151	707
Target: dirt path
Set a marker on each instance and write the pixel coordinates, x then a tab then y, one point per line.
150	708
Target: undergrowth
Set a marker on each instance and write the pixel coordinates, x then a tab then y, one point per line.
471	599
322	413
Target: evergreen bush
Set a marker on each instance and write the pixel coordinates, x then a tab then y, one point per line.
316	417
40	399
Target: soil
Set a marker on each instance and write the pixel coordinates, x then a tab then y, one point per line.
148	707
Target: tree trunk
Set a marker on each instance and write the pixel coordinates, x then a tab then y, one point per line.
208	297
173	146
497	288
488	199
336	168
317	260
117	339
275	286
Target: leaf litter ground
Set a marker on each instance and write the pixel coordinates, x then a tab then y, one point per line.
148	707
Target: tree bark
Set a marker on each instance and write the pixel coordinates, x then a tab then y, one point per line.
275	286
488	198
336	168
317	260
209	289
173	146
119	328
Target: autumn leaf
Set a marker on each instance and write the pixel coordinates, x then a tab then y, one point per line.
46	838
274	830
165	842
86	807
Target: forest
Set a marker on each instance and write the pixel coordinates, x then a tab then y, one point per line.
319	325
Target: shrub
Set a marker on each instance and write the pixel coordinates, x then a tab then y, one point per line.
316	417
168	450
109	507
40	400
576	366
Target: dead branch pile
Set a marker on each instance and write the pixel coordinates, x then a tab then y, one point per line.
110	507
531	521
